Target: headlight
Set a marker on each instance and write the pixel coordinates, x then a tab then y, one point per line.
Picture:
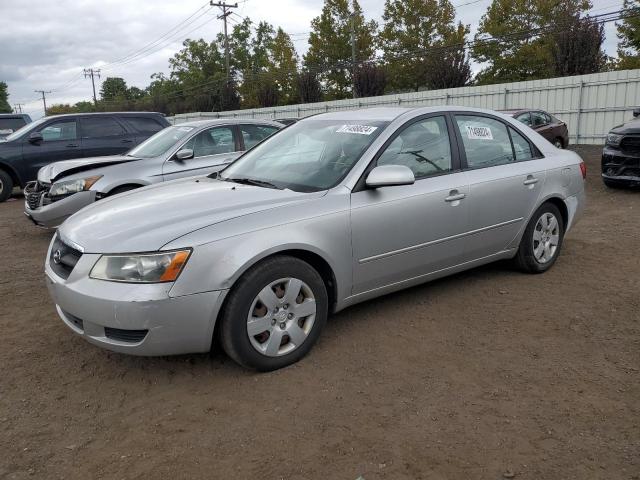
141	268
73	186
614	139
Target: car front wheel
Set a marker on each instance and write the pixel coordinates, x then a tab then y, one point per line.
6	185
274	314
542	240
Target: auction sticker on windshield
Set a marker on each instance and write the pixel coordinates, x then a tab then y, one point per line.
360	129
479	133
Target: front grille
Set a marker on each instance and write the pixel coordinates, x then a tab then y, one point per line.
631	145
33	193
128	336
63	258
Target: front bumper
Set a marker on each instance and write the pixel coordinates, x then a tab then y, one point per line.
53	214
620	167
134	319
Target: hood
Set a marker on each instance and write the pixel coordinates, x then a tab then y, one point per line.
148	218
632	126
54	171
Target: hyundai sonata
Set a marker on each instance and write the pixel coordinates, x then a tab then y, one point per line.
333	210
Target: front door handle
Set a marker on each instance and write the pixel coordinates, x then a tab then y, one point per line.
454	196
126	141
72	145
531	180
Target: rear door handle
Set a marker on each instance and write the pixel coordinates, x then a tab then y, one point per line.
126	141
454	197
72	145
531	180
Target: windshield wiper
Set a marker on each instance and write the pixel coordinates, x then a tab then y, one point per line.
253	181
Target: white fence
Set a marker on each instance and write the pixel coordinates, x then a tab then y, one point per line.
590	104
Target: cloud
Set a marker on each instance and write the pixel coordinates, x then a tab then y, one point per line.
47	44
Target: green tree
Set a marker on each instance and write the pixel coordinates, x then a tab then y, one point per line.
370	80
629	36
284	67
113	89
309	88
4	99
523	51
330	45
412	40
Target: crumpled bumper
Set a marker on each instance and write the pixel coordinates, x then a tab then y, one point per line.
53	214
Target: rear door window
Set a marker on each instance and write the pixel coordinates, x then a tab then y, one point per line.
100	127
524	118
253	134
145	124
486	141
60	130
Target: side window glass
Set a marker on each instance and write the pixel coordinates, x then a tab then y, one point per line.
423	147
521	146
212	142
538	119
62	130
253	134
144	124
486	141
100	127
524	118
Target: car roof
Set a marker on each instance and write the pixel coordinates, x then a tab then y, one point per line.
227	121
98	114
14	115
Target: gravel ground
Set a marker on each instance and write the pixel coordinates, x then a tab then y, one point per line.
488	374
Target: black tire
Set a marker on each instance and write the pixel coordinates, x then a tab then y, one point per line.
122	189
6	186
233	328
525	258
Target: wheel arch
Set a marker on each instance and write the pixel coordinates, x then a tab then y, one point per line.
12	173
112	188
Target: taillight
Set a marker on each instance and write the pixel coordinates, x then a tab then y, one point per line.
583	169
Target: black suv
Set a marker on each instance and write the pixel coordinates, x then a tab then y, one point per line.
621	154
10	122
63	137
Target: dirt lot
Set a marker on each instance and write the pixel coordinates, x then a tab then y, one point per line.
484	375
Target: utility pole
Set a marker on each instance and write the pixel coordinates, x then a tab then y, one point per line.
90	72
44	100
18	107
353	53
226	11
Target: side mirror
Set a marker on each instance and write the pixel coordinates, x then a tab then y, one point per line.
35	137
636	112
389	176
184	154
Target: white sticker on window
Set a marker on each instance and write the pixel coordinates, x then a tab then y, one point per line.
360	129
479	133
185	129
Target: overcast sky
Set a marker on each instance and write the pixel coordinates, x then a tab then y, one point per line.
45	44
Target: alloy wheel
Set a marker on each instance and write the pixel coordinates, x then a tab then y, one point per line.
281	317
546	236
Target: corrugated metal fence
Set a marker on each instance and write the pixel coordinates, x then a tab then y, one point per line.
590	104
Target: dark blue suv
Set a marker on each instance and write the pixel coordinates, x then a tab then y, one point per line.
62	137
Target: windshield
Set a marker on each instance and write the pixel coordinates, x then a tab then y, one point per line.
161	142
308	156
10	125
27	128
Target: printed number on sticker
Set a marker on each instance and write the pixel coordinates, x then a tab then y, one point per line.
479	133
361	129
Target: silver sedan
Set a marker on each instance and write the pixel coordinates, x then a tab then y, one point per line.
333	210
188	149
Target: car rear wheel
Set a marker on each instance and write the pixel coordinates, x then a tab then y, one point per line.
6	186
274	314
542	240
